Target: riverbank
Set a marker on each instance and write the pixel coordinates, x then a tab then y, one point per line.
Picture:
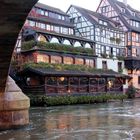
43	100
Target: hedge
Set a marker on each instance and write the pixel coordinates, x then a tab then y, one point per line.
43	100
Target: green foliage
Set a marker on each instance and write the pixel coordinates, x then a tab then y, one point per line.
57	47
118	40
131	91
28	45
120	71
111	55
82	68
120	57
104	55
42	100
112	39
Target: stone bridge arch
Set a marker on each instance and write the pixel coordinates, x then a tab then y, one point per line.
13	108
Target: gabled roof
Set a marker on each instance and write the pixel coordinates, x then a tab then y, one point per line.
128	9
51	21
88	14
49	8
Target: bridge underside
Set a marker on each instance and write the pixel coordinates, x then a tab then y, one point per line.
12	16
14	104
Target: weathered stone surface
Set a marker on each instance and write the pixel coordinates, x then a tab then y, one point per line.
14	104
14	107
12	16
13	119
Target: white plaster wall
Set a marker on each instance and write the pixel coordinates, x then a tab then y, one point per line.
112	64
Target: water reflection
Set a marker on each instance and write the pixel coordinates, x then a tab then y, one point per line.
112	121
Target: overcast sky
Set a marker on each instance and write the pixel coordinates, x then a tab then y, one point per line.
88	4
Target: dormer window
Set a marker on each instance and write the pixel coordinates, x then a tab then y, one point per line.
63	18
134	23
123	10
46	13
103	22
133	14
105	9
40	11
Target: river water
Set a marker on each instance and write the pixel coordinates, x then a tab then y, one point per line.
110	121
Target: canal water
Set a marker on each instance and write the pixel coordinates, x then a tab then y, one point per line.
110	121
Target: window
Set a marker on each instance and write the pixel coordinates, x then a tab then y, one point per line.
59	16
111	50
103	22
42	58
104	65
52	15
79	19
129	52
63	18
123	10
65	30
138	79
133	13
68	60
52	27
56	59
105	9
42	25
119	66
134	51
56	29
72	20
39	11
103	49
71	31
89	62
46	13
79	61
31	23
48	27
51	80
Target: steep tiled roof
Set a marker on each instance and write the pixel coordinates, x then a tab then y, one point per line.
128	10
49	8
91	14
51	21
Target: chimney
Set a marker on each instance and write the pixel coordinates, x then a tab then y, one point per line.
125	2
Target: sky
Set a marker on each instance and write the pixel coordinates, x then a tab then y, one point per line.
88	4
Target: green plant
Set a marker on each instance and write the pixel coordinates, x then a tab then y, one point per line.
57	47
112	39
120	70
120	57
118	40
64	67
43	100
104	55
131	91
111	55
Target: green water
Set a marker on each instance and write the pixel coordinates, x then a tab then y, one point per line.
112	121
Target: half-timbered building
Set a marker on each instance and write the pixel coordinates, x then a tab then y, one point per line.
129	21
109	39
58	58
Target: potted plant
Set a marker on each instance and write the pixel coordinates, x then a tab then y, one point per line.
111	55
118	40
112	39
104	55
